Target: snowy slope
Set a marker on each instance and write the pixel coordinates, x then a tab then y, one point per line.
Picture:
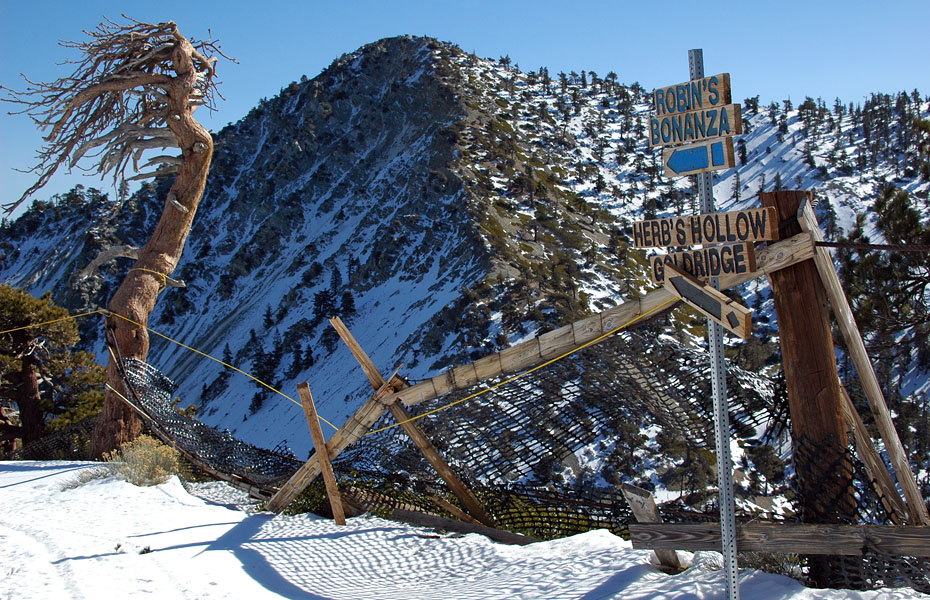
109	538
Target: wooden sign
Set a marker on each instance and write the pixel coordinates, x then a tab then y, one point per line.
692	95
713	155
712	261
710	302
703	124
751	225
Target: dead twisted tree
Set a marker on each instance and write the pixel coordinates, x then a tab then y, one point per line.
135	89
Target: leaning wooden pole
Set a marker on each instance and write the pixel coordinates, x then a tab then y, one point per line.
319	443
553	344
645	510
917	509
419	438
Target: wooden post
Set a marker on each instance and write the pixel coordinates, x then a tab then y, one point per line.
319	442
873	392
812	380
645	511
420	440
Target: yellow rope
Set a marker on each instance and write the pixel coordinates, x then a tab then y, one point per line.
227	365
279	392
527	372
164	278
93	312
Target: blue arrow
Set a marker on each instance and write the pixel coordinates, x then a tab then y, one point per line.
695	158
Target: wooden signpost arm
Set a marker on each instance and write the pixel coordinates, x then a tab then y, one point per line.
419	438
857	351
319	442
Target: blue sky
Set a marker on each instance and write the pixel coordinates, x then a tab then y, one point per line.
774	50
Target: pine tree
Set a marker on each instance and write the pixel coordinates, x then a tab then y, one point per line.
268	318
38	372
889	290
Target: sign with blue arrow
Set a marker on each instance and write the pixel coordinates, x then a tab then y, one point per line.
709	155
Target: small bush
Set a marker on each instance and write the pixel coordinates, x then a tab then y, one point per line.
144	461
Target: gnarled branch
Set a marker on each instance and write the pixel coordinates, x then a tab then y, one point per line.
116	100
105	256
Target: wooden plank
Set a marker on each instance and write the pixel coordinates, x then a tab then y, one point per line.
645	510
525	355
701	157
692	95
319	443
874	464
777	256
489	366
556	342
917	509
710	261
371	372
428	520
513	359
452	509
464	376
711	303
791	538
585	330
751	225
694	126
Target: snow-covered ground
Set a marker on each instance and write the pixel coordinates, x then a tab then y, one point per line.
108	538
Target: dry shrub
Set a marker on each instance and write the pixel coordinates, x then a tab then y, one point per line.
144	461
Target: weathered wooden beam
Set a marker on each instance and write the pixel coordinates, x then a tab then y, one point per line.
419	438
427	520
874	465
860	357
319	442
538	350
792	538
645	510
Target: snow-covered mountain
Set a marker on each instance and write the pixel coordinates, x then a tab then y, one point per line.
444	206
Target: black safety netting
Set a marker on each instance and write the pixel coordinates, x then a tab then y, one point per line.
218	450
519	447
522	430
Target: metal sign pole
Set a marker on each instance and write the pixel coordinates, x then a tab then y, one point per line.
719	389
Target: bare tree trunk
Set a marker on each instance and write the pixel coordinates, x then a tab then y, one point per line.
136	296
30	413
